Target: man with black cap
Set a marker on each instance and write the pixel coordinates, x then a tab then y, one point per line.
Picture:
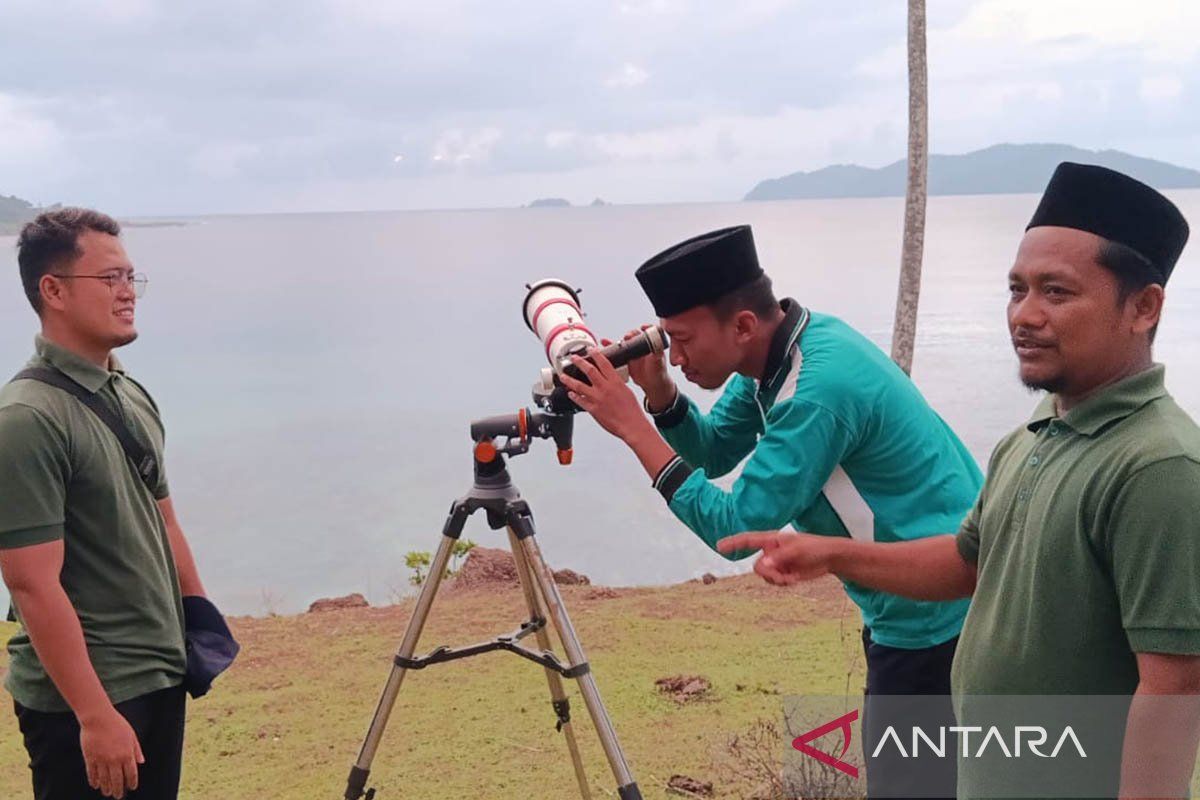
1082	555
839	441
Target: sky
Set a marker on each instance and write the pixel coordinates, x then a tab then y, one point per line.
155	107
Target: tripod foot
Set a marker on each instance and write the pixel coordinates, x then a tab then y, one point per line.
629	791
356	783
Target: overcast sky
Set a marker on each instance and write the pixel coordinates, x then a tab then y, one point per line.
162	107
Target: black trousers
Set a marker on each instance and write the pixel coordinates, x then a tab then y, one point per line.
892	672
56	759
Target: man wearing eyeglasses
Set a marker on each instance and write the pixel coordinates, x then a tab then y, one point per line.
91	552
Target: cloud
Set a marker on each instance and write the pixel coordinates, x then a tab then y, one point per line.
24	133
1078	72
1161	29
31	146
628	76
1160	89
223	161
111	14
647	8
458	147
723	138
157	107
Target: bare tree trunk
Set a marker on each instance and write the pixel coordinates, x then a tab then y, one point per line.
904	330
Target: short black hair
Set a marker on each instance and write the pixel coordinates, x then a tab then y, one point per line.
756	296
1132	270
51	241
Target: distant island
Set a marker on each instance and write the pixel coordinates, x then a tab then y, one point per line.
1000	169
549	202
15	212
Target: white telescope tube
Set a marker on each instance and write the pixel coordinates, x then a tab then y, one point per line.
552	312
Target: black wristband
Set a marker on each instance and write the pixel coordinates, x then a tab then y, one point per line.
672	415
671	477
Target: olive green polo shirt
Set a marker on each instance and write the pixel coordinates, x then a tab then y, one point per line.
1087	540
64	476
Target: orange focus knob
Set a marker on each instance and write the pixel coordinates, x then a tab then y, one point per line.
485	452
565	456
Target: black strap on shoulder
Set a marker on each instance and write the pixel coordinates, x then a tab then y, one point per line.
143	461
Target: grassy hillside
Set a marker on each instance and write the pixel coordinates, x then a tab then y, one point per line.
287	722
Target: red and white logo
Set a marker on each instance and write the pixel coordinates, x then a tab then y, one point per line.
842	723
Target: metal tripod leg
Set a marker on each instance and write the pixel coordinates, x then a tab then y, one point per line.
627	789
558	695
362	767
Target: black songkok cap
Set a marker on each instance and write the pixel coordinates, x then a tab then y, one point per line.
1118	208
700	271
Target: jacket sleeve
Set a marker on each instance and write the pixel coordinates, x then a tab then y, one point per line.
718	441
803	444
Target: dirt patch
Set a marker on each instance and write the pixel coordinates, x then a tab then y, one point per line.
684	688
355	600
689	787
488	567
569	577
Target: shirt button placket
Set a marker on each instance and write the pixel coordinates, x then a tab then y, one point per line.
1029	477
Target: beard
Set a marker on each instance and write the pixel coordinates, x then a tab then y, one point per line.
1053	385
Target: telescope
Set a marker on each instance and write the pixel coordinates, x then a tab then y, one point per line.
552	311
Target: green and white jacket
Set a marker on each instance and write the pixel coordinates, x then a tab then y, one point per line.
840	442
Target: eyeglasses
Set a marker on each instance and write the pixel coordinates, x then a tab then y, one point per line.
137	280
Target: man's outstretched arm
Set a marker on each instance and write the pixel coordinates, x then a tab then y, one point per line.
924	569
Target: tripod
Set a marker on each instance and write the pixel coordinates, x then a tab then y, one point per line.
494	492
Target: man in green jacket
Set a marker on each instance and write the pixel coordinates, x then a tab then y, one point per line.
836	440
1082	555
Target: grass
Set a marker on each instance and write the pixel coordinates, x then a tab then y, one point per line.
286	723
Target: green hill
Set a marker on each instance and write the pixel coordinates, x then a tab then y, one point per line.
1000	169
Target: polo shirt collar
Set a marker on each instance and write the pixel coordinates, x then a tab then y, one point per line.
75	366
1042	415
1109	405
795	319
